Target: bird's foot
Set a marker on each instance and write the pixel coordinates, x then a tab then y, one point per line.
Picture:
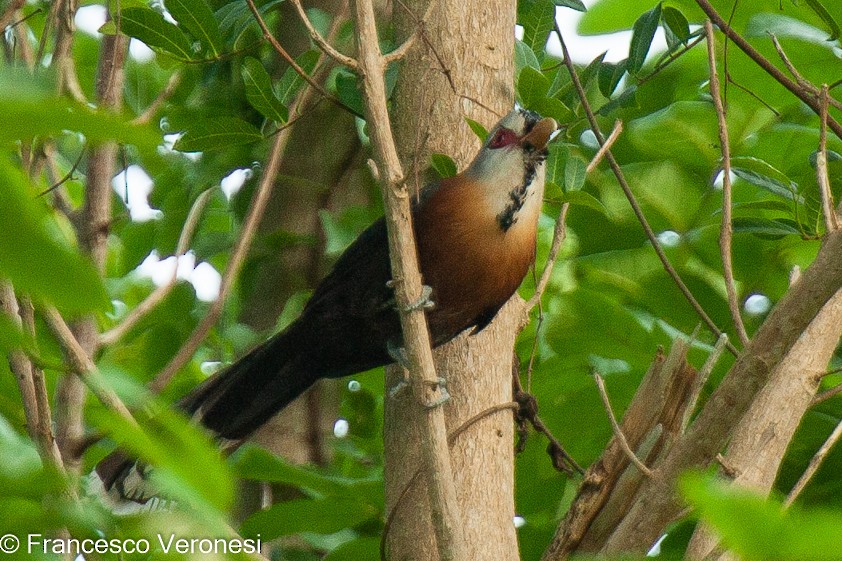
440	386
424	302
398	354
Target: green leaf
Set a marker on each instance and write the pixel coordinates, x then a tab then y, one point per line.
574	4
348	92
235	17
477	129
443	164
220	132
552	107
591	70
291	81
174	448
763	227
826	17
324	516
360	549
642	35
12	337
532	86
537	25
581	198
259	92
33	266
609	76
197	17
626	99
29	108
676	23
252	462
150	27
555	163
574	173
757	528
786	190
524	56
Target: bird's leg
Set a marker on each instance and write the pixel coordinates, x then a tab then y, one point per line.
424	301
441	386
398	354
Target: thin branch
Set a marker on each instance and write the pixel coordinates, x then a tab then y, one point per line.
609	142
814	464
799	92
322	43
528	411
615	427
68	176
82	364
445	512
46	438
404	47
20	366
615	167
701	380
559	233
267	34
831	220
827	394
9	13
149	112
726	230
247	234
804	83
160	293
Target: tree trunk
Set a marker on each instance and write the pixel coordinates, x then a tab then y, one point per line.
475	44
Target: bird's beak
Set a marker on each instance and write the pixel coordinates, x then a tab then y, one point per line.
540	134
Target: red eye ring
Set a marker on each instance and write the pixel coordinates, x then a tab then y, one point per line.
501	138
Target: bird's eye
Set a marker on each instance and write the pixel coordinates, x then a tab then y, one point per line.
501	138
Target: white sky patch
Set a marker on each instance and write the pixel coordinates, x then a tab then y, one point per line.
234	181
341	428
133	185
140	52
719	180
757	304
169	142
584	49
656	549
90	18
669	238
205	279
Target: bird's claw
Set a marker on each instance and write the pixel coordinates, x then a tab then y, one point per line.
444	396
398	354
424	302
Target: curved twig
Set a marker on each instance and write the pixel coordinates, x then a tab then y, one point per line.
647	228
801	93
726	230
321	41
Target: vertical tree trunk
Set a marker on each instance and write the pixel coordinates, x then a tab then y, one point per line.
475	44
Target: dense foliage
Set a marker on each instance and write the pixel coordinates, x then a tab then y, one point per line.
609	306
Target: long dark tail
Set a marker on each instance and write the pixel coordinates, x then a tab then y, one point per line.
232	404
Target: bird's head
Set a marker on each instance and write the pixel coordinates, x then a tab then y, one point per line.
510	165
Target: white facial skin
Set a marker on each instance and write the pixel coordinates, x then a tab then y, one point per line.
502	170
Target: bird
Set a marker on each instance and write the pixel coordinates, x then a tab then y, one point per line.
476	240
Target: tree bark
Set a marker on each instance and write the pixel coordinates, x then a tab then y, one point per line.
475	45
763	435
